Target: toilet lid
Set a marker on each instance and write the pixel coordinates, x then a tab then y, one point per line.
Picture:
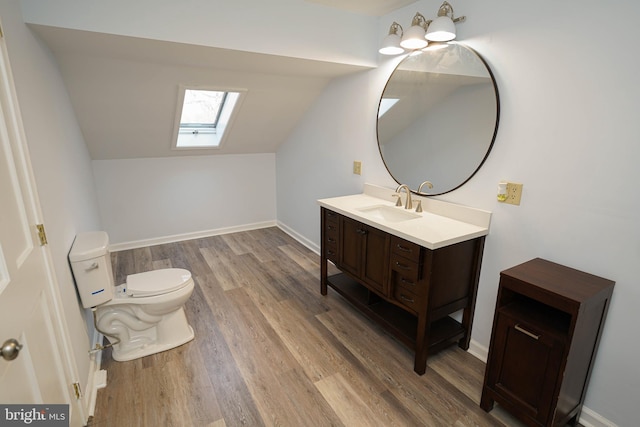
157	282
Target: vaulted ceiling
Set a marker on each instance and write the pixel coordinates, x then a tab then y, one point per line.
124	89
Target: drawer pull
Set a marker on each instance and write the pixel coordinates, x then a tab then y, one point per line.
406	282
330	227
524	331
402	266
330	240
330	253
361	231
405	298
402	248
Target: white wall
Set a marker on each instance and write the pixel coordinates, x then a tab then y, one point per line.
150	198
569	131
60	161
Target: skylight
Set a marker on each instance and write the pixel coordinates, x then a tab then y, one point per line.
385	105
205	115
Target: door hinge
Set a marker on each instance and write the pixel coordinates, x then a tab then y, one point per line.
42	235
77	391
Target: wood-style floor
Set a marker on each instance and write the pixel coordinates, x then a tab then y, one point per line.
270	350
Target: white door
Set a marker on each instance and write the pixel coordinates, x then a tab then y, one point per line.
29	302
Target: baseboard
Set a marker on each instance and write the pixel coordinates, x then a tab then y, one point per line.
479	351
94	382
299	237
188	236
588	417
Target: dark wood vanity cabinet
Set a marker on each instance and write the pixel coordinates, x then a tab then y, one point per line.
363	252
546	329
406	288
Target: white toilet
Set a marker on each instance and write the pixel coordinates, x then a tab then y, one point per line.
143	316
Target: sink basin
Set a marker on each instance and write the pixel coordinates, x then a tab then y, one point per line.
388	213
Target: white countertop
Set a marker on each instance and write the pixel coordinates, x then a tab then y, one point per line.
440	224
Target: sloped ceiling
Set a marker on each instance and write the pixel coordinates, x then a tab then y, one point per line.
124	88
124	91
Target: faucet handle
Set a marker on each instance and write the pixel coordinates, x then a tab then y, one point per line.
399	201
419	207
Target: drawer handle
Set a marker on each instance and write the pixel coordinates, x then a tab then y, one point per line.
331	240
402	248
361	231
524	331
330	253
402	266
332	214
330	227
406	282
405	298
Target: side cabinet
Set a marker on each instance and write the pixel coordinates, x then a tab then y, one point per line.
546	330
406	288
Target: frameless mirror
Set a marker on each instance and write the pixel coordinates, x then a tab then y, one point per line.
438	118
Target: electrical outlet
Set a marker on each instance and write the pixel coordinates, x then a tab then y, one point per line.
514	193
357	168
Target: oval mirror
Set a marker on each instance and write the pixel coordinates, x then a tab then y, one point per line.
438	118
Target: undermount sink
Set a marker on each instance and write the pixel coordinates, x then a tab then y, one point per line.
388	213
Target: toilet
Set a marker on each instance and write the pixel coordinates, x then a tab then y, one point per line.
143	316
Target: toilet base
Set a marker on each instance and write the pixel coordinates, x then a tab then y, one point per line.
173	331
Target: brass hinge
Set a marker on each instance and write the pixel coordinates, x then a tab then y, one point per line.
77	391
42	235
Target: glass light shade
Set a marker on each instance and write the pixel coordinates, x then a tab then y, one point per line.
442	29
391	45
414	38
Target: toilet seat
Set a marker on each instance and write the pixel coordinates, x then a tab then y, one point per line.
157	282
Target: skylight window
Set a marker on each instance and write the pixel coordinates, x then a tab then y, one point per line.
204	116
385	105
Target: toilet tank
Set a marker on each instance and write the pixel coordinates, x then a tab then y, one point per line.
91	265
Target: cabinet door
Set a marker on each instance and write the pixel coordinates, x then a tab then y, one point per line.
376	259
364	253
351	246
525	366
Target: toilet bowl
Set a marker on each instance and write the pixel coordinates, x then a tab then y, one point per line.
143	316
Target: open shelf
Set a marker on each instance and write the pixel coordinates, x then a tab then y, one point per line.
398	322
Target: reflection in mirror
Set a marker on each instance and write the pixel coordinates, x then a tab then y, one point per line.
438	118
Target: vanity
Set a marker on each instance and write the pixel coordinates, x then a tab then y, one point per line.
407	271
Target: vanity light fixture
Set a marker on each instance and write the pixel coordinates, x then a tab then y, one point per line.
391	43
443	28
413	38
421	32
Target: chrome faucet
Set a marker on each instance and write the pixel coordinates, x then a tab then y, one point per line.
407	204
427	183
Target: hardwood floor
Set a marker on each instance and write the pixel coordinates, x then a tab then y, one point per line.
270	350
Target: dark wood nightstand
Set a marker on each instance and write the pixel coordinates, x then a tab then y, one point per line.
546	330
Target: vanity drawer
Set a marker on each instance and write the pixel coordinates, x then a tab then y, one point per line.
331	235
409	269
407	284
410	300
405	249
